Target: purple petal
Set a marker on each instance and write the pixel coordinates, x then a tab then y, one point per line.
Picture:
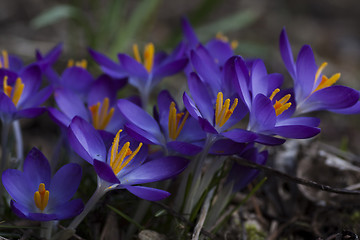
354	109
184	147
324	99
269	140
190	106
262	115
189	32
201	96
29	113
16	184
105	172
31	78
206	126
6	104
103	87
240	135
64	184
41	217
86	141
306	70
164	100
69	209
150	194
77	79
138	117
205	67
296	131
219	50
170	68
70	104
132	67
141	135
286	54
307	121
156	170
225	146
58	117
242	81
107	65
20	210
38	98
274	81
258	81
37	169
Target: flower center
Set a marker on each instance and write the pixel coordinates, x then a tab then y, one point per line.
149	53
280	105
222	111
5	60
325	81
220	36
41	197
174	125
119	159
101	115
81	64
13	92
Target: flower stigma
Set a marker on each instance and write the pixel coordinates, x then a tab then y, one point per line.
280	105
81	64
174	125
325	81
5	60
41	197
222	111
120	159
15	91
149	53
100	114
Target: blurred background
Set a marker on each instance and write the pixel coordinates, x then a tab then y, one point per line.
112	26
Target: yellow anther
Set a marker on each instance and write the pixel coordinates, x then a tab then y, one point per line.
136	53
81	64
281	105
41	197
234	44
119	160
319	71
6	63
327	82
18	89
222	37
174	124
222	111
7	89
274	93
101	115
149	54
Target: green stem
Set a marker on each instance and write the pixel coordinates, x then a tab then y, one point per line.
46	229
100	191
19	141
4	151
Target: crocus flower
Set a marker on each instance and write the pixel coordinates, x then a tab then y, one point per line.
20	96
98	109
10	62
313	90
123	166
217	113
172	129
270	108
38	196
145	73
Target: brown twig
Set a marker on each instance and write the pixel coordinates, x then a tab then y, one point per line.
273	172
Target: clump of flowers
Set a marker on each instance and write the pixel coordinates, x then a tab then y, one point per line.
232	107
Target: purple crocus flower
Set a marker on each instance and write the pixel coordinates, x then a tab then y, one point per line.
123	166
38	196
217	113
172	129
10	62
20	96
146	73
313	90
98	109
270	108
